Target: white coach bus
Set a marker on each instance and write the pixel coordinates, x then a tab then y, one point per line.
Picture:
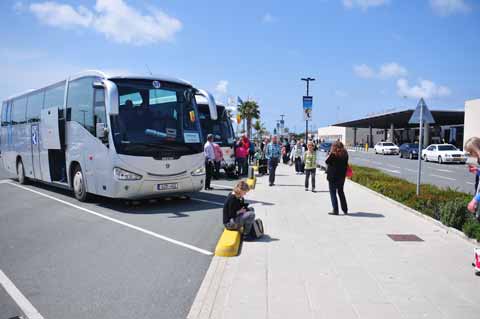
222	131
115	136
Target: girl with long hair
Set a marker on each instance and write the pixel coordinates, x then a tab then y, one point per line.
337	163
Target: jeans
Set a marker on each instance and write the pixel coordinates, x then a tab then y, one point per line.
246	220
241	165
298	164
217	169
208	172
476	184
308	173
272	166
337	187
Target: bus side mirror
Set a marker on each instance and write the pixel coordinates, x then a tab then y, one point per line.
101	130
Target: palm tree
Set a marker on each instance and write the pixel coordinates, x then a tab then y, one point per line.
259	127
249	110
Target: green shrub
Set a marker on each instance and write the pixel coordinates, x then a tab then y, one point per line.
471	227
453	213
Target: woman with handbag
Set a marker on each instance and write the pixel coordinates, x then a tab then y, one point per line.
337	166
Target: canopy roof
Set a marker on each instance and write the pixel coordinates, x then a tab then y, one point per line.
400	119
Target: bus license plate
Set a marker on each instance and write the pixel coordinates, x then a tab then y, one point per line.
164	187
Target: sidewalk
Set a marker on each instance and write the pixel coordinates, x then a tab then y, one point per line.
314	265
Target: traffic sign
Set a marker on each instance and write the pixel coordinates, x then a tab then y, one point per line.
426	117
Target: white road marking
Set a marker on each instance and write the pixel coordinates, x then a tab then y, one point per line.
395	166
443	170
22	302
390	170
206	201
142	230
439	176
4	181
470	183
411	170
222	186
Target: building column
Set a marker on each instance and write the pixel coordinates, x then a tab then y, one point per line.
392	132
354	136
426	134
385	135
370	137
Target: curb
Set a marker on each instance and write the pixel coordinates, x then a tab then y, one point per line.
448	229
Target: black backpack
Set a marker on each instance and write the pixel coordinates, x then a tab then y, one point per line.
257	230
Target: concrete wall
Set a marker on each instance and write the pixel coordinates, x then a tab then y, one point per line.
472	119
346	134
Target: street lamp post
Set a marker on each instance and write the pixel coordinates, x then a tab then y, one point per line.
306	120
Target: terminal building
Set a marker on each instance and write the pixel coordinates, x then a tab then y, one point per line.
451	126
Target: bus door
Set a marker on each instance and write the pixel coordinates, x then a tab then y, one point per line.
35	142
51	141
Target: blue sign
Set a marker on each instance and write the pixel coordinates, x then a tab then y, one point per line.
307	107
34	134
307	102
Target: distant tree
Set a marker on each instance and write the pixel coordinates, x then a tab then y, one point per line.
249	110
259	128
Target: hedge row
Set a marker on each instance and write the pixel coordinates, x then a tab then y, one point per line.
447	205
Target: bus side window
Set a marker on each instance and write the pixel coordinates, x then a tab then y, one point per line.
80	100
19	110
4	114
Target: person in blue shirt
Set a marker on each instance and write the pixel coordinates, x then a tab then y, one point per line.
472	146
273	154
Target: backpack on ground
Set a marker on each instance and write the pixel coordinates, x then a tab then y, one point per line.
257	229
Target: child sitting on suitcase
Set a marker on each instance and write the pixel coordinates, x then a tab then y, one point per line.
236	212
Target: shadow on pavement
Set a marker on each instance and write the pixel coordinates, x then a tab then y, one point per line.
265	239
366	215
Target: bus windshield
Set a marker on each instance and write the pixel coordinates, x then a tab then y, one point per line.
221	128
159	121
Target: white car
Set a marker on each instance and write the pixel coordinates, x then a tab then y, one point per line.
443	153
386	148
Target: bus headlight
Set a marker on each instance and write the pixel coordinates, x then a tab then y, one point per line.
199	171
124	175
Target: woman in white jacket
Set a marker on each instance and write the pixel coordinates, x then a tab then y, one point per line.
296	155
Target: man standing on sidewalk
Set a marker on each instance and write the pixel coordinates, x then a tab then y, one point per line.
273	154
209	153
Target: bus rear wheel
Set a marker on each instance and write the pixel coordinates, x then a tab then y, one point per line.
79	189
21	173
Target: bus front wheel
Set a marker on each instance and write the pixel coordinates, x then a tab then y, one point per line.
79	189
21	173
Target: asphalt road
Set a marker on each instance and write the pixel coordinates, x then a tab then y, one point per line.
455	176
104	259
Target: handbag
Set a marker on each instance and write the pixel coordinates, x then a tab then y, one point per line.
349	171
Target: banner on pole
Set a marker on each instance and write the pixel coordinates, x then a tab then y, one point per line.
307	107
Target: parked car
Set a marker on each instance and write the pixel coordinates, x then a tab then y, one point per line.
325	146
386	148
444	153
408	150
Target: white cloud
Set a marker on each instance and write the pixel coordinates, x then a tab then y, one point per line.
364	4
364	71
18	6
387	70
222	87
426	89
268	18
448	7
61	15
115	19
392	70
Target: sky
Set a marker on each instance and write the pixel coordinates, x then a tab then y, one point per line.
367	56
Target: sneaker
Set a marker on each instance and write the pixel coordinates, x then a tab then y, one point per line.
306	189
313	190
333	213
345	213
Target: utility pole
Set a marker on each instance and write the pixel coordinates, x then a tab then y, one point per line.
308	91
282	125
